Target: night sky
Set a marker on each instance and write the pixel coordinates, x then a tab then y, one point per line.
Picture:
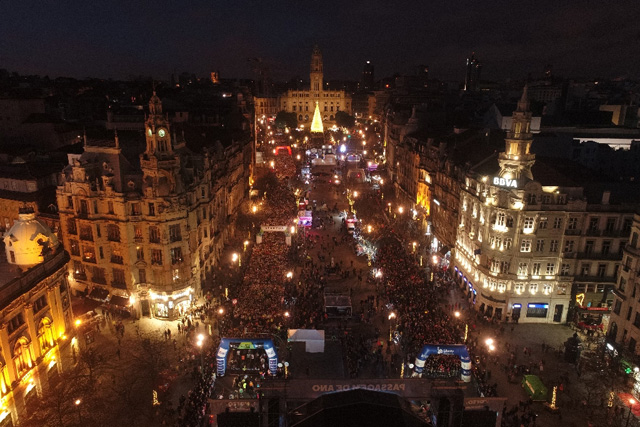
117	38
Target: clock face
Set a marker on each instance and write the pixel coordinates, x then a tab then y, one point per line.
149	132
161	133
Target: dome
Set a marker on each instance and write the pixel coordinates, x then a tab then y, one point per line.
28	240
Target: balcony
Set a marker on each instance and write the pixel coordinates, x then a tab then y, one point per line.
572	232
113	238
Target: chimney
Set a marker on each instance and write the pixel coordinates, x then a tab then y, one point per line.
605	197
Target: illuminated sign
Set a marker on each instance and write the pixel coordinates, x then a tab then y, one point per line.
505	182
517	305
538	305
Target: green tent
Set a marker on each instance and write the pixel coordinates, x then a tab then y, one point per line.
534	387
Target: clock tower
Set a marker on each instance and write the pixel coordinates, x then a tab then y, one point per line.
516	161
316	71
159	163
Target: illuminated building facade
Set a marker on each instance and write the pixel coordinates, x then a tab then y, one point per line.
523	245
150	235
624	326
303	102
35	313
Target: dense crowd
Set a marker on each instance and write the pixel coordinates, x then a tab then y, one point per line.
421	318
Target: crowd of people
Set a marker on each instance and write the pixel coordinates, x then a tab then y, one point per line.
418	305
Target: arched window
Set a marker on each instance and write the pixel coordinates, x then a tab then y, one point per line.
300	117
22	356
306	118
45	335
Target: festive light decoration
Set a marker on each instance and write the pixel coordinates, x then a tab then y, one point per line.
316	124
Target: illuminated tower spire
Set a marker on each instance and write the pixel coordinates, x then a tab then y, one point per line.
516	161
316	124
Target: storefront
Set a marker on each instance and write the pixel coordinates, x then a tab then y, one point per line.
171	306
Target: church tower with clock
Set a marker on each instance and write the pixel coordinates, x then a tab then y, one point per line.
160	163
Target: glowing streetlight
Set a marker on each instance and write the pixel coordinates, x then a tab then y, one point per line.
289	274
457	314
369	228
254	209
246	243
392	315
77	402
400	209
78	322
221	311
489	341
355	194
287	314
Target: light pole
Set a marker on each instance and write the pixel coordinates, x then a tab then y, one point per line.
199	343
632	402
77	403
392	315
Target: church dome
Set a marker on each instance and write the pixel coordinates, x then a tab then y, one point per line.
28	240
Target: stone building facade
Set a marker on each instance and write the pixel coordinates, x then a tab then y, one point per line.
150	235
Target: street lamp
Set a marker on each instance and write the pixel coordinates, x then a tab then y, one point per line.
235	257
392	315
457	314
632	402
400	209
199	344
77	403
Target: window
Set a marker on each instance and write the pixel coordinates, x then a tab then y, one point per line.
70	202
523	268
71	226
606	247
88	253
553	246
557	223
564	270
540	245
547	289
500	219
617	306
139	253
551	268
86	233
525	245
39	304
602	270
113	232
537	310
95	206
593	223
543	223
174	233
585	269
626	225
176	255
110	207
75	247
156	257
572	224
98	275
533	288
568	246
142	275
154	235
588	247
536	269
116	256
528	224
508	241
152	209
137	231
135	209
611	225
15	322
118	277
531	199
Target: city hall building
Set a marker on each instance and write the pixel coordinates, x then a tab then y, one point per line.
537	237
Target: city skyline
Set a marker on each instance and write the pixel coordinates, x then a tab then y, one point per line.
118	39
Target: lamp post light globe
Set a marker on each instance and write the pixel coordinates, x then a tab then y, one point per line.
457	314
221	310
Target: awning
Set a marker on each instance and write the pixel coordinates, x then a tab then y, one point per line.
121	301
444	250
99	294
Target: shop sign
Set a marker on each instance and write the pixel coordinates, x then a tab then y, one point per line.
273	228
505	182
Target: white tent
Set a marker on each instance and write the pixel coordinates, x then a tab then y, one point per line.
312	338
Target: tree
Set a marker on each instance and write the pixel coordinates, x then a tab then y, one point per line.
284	118
345	120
